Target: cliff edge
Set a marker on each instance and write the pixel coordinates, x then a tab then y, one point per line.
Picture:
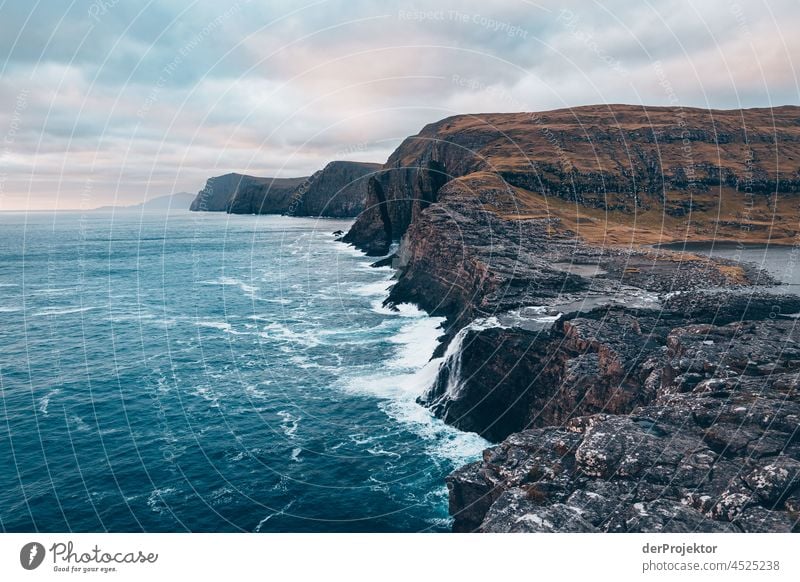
338	190
242	194
630	388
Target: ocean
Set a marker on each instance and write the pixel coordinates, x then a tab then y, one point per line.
207	372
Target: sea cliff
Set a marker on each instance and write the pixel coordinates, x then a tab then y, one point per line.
339	190
629	388
241	194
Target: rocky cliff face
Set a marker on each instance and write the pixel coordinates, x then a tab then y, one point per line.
716	449
339	190
241	194
267	196
661	171
526	231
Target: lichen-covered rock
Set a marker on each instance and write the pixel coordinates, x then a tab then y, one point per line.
776	480
760	520
723	456
516	512
664	516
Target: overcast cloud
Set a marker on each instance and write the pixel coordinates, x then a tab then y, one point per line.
115	101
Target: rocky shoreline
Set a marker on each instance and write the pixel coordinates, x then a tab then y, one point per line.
628	388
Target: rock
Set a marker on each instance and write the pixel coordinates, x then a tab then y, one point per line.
514	512
632	161
595	507
629	388
665	516
339	190
471	496
467	395
551	370
683	462
760	520
241	194
775	481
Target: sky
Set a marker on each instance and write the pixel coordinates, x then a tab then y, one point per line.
118	101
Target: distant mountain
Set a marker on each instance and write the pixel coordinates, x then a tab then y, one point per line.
170	202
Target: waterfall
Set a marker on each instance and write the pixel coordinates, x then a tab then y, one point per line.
437	393
452	363
447	384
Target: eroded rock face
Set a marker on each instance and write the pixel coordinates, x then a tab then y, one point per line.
273	196
718	454
241	194
339	190
504	380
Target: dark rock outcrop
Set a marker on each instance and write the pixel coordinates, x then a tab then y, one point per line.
718	449
539	370
269	196
241	194
503	380
339	190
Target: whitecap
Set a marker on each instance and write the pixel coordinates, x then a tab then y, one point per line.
44	401
379	288
281	511
417	340
347	249
220	325
257	317
239	456
379	451
289	423
221	495
399	392
156	501
280	332
253	392
246	288
80	424
399	310
304	362
53	311
207	394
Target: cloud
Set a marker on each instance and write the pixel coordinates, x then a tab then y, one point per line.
136	99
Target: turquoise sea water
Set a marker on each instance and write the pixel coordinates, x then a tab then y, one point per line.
206	372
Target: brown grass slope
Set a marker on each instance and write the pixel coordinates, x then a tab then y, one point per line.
613	174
